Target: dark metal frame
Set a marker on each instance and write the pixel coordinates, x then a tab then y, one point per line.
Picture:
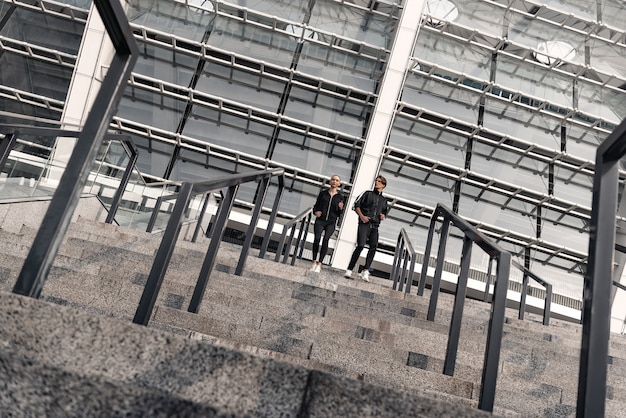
285	244
56	221
12	132
496	320
404	259
170	236
547	301
598	278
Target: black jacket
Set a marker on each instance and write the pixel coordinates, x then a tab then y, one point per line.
329	205
372	203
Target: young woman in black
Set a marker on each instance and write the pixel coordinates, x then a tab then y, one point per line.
327	209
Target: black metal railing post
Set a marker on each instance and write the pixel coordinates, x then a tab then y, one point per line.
247	242
496	320
119	193
155	211
404	259
454	333
162	258
272	219
217	232
488	280
395	265
598	277
434	295
495	332
6	145
522	299
205	206
56	221
426	261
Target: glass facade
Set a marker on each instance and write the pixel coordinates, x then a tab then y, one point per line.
501	108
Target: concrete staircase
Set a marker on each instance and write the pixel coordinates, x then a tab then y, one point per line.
277	341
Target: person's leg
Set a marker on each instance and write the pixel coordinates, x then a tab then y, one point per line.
373	244
329	228
318	227
361	239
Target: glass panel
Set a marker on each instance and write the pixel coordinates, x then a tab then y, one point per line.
44	30
45	79
524	124
416	185
453	54
345	20
284	9
326	111
441	97
582	143
241	86
171	17
152	109
313	154
339	66
253	41
235	132
428	141
603	103
510	167
533	33
484	17
167	65
154	156
573	186
489	209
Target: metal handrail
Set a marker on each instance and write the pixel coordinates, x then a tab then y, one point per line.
285	244
598	277
496	320
12	132
403	267
55	223
170	236
547	300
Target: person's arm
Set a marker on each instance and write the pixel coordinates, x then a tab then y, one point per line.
362	217
317	207
383	213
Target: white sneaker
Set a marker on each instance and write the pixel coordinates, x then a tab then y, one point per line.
317	269
365	275
313	267
348	274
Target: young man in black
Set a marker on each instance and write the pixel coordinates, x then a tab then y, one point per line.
372	208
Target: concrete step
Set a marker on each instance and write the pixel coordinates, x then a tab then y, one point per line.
232	382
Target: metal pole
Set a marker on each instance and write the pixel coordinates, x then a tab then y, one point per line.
522	299
454	333
597	288
162	258
205	206
426	261
217	232
6	145
119	193
56	221
434	295
494	334
272	219
247	242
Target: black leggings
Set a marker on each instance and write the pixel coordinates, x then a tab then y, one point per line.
366	234
327	228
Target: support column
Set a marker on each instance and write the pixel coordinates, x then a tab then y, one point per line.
380	124
95	52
